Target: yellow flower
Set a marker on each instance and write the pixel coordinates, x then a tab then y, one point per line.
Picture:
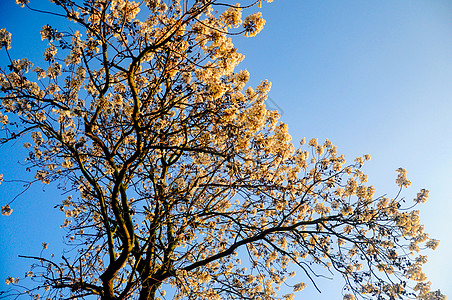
5	39
253	24
6	210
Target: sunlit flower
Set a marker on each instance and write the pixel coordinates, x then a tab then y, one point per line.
421	196
22	3
253	24
5	39
10	279
6	210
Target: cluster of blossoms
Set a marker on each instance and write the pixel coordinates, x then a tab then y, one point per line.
6	210
5	39
422	196
49	33
232	17
253	24
22	3
401	180
10	280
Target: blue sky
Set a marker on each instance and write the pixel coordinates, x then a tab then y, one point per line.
372	76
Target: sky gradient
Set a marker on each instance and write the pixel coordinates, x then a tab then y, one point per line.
372	76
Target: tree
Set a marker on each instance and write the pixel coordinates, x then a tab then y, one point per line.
181	177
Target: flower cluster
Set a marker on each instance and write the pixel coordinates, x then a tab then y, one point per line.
22	3
401	180
253	24
422	196
232	17
5	39
6	210
49	33
11	280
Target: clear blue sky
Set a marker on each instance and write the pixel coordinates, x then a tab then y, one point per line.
372	76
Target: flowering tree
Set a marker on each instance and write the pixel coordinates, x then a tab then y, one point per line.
183	179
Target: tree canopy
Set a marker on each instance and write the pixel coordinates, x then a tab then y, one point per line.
182	180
